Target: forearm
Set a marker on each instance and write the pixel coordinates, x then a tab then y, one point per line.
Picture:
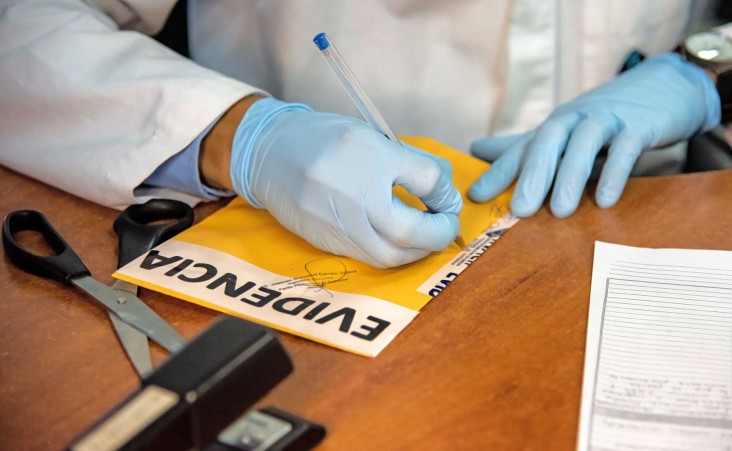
92	110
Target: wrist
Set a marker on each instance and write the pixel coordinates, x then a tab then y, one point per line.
711	51
700	79
711	75
214	158
257	122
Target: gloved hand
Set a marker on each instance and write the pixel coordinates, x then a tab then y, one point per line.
329	178
661	101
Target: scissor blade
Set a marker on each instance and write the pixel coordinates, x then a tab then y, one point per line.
134	312
124	285
135	344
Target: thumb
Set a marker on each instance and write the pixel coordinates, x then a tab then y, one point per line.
490	149
425	178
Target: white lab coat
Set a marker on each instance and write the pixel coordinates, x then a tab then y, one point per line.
90	104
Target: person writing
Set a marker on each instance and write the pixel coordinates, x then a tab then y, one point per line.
94	106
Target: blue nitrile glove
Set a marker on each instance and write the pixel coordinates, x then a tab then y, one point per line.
662	100
329	179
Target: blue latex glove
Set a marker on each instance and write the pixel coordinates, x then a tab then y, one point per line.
657	103
329	179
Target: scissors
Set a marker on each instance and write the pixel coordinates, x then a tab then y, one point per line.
139	228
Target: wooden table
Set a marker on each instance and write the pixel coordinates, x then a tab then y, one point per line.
494	363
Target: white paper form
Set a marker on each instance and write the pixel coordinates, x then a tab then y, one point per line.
658	360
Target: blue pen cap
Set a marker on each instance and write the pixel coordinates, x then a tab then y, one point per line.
321	40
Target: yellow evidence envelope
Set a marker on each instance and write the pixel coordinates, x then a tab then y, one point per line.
241	261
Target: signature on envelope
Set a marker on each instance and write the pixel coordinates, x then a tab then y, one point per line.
319	273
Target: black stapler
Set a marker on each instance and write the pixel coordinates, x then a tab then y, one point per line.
195	400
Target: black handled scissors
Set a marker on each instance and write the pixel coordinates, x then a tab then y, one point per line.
132	319
141	228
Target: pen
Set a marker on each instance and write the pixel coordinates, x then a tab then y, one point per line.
344	74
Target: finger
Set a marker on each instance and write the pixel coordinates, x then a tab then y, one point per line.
621	157
408	227
499	176
444	164
386	254
398	257
353	235
540	164
491	149
574	170
426	179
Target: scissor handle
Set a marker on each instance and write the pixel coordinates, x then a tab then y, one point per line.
62	267
136	233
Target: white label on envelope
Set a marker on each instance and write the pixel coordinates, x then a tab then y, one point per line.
358	323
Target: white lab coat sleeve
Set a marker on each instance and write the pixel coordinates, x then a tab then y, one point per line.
94	110
146	16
